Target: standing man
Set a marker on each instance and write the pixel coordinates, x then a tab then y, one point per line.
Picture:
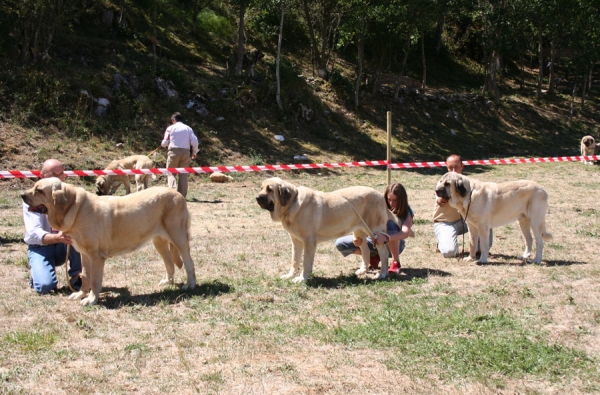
179	137
47	248
447	222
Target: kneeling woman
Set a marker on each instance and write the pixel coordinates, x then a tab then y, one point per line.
398	230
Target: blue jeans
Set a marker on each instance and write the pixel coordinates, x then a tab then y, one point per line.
347	247
43	260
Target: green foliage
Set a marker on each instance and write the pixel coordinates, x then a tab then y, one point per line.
30	341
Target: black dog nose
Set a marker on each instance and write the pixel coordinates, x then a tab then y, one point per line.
440	193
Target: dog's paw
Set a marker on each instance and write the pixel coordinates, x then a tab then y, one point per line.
287	276
166	281
77	295
361	271
90	300
298	279
187	287
468	259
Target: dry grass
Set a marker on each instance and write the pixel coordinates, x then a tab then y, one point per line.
444	327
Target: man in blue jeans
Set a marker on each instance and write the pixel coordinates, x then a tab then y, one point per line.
47	248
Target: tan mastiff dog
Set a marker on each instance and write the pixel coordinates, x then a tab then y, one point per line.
487	205
107	185
106	226
311	217
588	148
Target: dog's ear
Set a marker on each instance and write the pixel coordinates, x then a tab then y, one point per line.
461	188
60	200
285	194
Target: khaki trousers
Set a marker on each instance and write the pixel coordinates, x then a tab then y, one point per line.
178	157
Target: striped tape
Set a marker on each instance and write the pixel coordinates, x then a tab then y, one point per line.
299	166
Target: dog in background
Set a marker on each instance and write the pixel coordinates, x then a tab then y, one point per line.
588	148
107	185
248	62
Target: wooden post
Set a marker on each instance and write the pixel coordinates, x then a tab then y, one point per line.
389	146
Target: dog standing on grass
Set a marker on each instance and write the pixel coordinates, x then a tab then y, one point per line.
588	148
107	185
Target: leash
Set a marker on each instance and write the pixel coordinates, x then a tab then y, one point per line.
159	147
369	229
67	268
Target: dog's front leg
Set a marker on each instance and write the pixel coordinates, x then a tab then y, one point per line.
310	247
95	273
473	237
297	247
85	280
484	243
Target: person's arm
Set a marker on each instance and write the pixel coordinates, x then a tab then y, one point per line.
404	232
35	232
166	138
193	144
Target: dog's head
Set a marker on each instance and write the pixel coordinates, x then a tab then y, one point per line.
102	186
276	194
52	197
588	141
453	187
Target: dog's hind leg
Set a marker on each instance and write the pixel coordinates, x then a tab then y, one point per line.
525	225
365	252
162	246
180	250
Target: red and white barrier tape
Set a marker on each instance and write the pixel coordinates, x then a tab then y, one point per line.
234	169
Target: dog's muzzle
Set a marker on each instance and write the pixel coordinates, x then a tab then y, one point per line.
442	193
264	203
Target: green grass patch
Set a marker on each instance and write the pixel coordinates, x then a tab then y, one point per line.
30	341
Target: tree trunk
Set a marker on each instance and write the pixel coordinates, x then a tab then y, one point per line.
551	71
404	60
538	92
590	77
573	98
361	56
318	60
424	80
237	71
154	38
583	89
277	76
438	32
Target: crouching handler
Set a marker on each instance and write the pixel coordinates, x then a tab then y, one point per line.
397	231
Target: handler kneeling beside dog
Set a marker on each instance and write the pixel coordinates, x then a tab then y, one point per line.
396	200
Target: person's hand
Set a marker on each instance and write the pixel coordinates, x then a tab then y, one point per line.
357	241
382	238
55	238
193	156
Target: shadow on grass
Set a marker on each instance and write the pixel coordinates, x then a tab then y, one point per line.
116	298
512	260
343	281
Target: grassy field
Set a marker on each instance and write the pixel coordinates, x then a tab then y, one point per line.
444	326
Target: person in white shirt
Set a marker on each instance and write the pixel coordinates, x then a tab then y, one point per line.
179	137
47	248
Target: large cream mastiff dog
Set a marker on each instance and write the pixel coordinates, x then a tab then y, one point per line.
107	185
311	217
487	205
105	226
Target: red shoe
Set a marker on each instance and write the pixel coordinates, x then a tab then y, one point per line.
395	267
374	263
